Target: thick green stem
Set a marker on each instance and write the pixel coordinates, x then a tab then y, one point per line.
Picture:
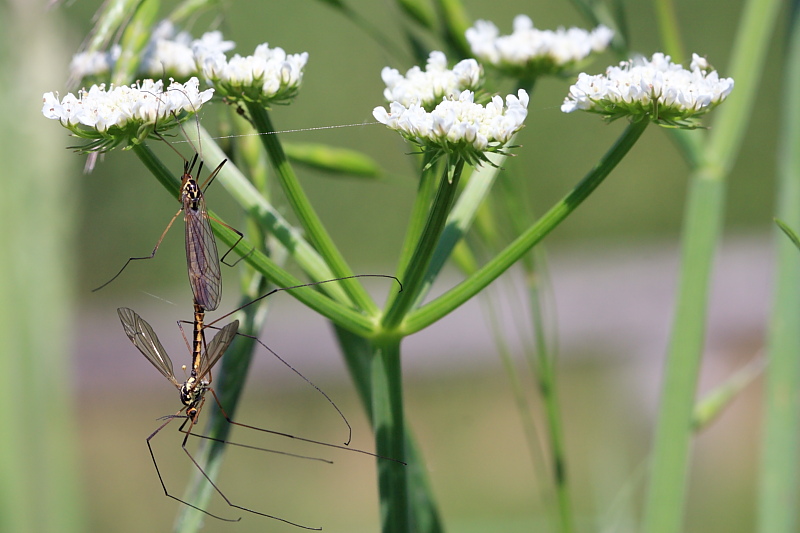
389	427
445	304
305	212
358	352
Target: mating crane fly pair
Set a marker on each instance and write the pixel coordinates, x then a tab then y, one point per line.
203	265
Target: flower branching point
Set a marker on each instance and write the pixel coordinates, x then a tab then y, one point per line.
529	52
124	115
657	90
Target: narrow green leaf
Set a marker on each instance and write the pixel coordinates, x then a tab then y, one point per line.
788	231
333	160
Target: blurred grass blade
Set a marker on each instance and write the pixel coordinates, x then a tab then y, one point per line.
110	19
667	492
779	484
192	8
419	11
40	466
711	406
455	22
134	41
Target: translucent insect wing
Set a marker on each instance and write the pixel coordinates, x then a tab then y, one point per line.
144	338
217	347
201	256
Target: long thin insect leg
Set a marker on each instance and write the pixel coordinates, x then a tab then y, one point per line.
301	439
293	369
152	254
259	449
310	284
232	248
161	479
222	495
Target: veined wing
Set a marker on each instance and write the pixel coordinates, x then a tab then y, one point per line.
202	258
218	345
144	338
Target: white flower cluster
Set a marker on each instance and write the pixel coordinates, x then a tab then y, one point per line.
168	54
269	75
125	114
459	124
663	91
535	52
171	53
90	64
430	86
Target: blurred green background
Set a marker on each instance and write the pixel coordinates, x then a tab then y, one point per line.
613	269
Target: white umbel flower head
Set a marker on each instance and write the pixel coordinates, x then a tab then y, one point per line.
656	90
529	52
428	87
268	76
458	125
93	65
124	114
170	54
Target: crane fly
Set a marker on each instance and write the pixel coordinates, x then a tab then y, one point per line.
202	258
192	395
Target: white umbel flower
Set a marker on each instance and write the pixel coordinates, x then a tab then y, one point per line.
89	65
270	75
434	83
655	89
124	114
531	52
172	53
459	125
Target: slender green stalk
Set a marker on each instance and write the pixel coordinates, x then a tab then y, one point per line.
416	221
779	486
545	371
442	306
703	219
389	426
305	212
670	35
414	276
134	41
461	217
670	464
